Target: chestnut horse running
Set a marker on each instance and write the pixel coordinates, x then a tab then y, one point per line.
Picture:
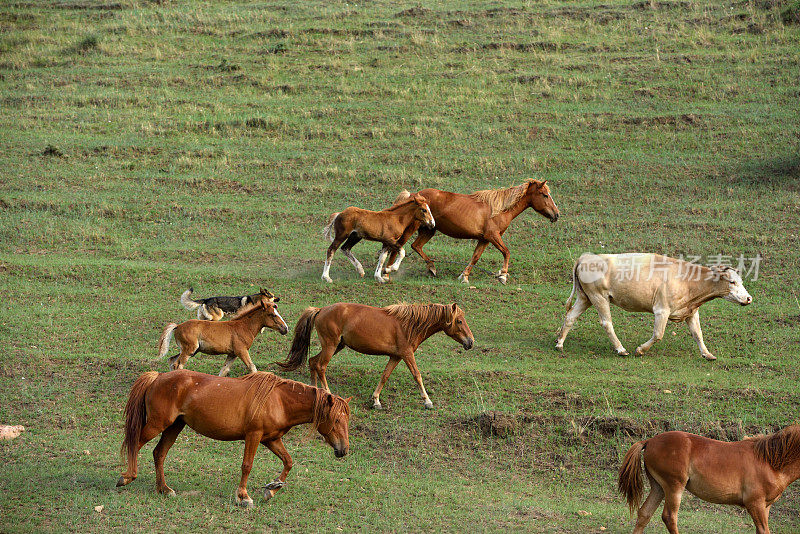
257	408
483	215
392	227
751	473
395	331
232	338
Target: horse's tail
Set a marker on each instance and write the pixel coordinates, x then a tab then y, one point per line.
630	476
163	343
575	285
302	338
402	197
328	230
186	300
136	416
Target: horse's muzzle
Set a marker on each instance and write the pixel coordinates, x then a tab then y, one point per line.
554	218
468	343
340	452
284	330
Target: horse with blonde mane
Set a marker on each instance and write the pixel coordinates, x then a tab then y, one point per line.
257	408
233	338
482	215
392	227
395	331
751	473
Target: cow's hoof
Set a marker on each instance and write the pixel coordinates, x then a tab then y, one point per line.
377	406
244	503
328	279
710	357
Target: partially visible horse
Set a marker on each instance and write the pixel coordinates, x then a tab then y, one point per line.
751	473
392	227
232	338
483	215
395	331
256	408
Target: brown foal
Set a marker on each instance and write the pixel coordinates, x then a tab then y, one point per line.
232	338
483	215
257	408
392	227
395	331
751	473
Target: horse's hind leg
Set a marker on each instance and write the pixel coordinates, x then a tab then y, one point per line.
672	502
188	348
319	363
349	244
479	248
151	429
338	240
423	236
168	438
390	365
276	446
650	505
226	368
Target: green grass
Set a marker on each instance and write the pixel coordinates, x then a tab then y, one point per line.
149	146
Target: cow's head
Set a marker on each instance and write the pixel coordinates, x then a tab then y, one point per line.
736	291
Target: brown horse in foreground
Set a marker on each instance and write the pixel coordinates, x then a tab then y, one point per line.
751	473
233	337
257	408
395	331
392	227
483	215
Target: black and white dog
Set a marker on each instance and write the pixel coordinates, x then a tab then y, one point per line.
214	308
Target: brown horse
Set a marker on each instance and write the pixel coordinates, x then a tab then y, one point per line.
751	473
395	331
392	227
232	338
257	408
483	215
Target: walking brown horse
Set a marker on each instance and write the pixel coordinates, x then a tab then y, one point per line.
395	331
392	227
256	408
232	338
751	473
483	215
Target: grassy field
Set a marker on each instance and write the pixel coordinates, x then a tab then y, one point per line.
149	146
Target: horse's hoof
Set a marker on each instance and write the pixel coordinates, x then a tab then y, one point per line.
710	357
429	405
377	406
328	279
167	492
432	272
503	278
464	279
244	503
274	485
361	274
121	482
560	348
640	351
623	352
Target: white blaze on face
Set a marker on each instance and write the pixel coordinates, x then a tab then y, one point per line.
278	315
432	222
591	268
737	291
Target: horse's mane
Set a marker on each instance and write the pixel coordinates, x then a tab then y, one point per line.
323	413
501	200
264	384
247	309
415	317
403	199
779	449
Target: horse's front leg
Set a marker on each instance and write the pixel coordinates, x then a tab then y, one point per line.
251	442
276	446
424	235
379	268
394	261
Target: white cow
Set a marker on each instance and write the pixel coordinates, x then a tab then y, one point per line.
671	289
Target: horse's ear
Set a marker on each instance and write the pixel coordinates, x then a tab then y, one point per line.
348	399
541	185
454	307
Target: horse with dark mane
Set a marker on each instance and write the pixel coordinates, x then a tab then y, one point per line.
751	473
395	331
484	216
392	227
233	338
256	408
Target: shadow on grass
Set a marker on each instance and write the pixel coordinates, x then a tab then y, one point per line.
780	171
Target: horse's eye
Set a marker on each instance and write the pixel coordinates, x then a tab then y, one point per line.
545	195
458	322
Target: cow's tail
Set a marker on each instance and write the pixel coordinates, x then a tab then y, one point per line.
302	338
186	300
630	476
163	343
575	285
328	231
135	419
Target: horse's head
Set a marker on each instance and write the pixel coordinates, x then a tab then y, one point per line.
423	213
273	319
458	328
334	425
540	200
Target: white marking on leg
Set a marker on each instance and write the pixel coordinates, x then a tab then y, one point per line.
379	268
396	265
326	271
357	264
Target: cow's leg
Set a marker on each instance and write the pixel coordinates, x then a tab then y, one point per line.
423	236
338	240
276	446
581	304
479	248
390	365
496	240
693	322
604	311
661	319
346	250
379	268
